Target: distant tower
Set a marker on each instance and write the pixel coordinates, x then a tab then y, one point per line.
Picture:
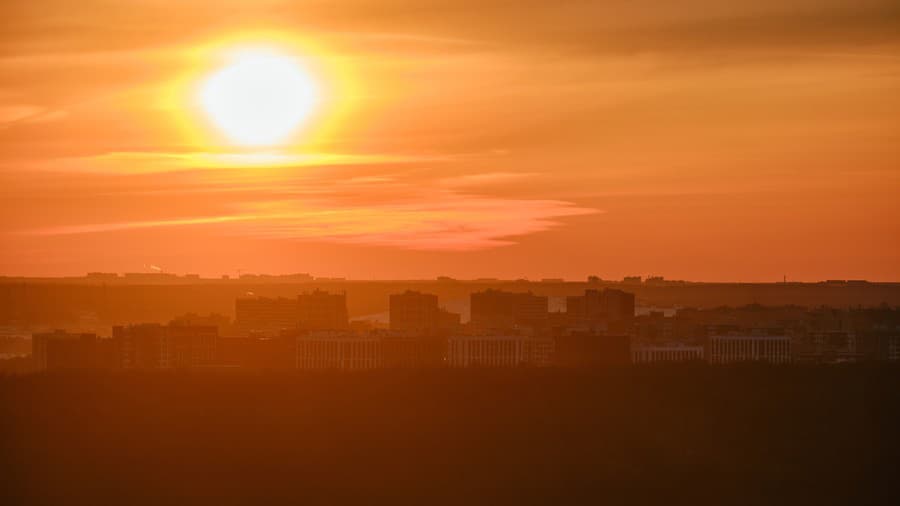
320	310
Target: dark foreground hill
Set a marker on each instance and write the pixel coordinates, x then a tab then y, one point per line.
659	436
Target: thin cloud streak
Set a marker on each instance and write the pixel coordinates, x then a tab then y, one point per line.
444	221
132	225
441	221
137	162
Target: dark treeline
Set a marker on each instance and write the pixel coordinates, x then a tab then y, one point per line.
689	434
30	302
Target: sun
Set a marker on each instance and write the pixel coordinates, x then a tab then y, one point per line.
259	98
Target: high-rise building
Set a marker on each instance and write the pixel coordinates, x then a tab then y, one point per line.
414	311
320	310
497	309
619	305
265	315
448	322
595	306
142	346
64	350
154	346
192	345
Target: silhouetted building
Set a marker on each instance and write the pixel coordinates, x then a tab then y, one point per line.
879	345
589	349
826	347
414	311
499	351
221	322
264	314
102	276
338	351
154	346
645	353
62	350
260	353
496	309
192	345
413	352
141	346
448	322
728	349
320	310
596	306
655	326
419	313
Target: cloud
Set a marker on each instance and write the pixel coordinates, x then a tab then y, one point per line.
28	114
139	162
132	225
438	220
485	178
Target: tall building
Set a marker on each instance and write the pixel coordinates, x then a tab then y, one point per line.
496	309
154	346
595	306
192	345
320	310
414	311
142	346
618	304
64	350
448	322
265	315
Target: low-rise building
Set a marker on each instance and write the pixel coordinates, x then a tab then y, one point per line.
340	351
647	353
499	351
734	348
59	350
592	349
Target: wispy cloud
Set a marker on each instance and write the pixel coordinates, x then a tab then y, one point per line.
485	178
439	220
138	162
28	114
133	225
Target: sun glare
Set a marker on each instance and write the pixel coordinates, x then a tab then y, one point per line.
259	98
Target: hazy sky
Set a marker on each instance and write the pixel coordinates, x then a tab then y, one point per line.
697	139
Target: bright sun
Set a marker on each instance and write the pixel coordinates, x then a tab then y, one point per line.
259	98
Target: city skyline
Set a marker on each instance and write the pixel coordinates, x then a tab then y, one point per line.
449	252
704	141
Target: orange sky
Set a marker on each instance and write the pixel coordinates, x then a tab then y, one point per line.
698	139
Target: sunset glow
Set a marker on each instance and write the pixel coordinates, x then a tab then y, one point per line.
449	251
259	98
467	139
